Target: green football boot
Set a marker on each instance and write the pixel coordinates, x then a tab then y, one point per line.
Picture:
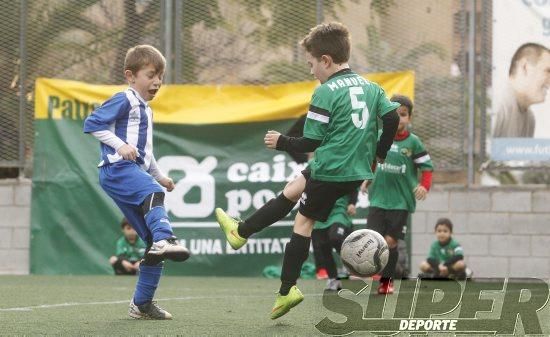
229	227
283	304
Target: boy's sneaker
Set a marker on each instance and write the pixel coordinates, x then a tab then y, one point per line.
334	284
321	274
167	249
283	304
149	310
229	226
463	275
385	287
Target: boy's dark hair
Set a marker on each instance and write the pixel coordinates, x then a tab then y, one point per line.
124	223
404	101
532	51
444	222
330	39
141	55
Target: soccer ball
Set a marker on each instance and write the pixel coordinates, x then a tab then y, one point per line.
364	253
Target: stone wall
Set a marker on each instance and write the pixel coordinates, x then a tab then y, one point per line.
15	219
505	231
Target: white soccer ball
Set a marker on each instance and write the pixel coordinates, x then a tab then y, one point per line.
364	253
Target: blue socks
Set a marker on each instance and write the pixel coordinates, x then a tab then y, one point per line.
148	281
158	223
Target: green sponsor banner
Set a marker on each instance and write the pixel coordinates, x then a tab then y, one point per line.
209	139
75	224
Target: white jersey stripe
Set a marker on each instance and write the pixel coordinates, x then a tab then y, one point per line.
317	117
149	144
422	159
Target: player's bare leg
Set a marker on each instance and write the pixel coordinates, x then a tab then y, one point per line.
237	232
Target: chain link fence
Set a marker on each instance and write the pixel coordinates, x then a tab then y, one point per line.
234	42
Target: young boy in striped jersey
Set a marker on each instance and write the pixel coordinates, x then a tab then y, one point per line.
129	174
341	127
395	187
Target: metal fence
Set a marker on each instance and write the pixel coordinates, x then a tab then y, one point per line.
234	42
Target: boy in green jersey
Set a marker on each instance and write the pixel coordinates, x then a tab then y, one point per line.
330	234
129	251
395	187
341	127
446	257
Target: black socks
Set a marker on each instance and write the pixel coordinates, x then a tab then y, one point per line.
296	253
392	262
273	211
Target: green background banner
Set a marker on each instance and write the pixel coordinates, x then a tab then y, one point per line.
209	139
75	224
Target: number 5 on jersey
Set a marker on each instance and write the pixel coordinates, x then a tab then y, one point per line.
360	121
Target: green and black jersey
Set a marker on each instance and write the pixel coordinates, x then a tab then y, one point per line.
444	253
343	115
131	252
395	180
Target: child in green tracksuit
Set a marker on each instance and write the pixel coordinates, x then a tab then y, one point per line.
129	251
446	256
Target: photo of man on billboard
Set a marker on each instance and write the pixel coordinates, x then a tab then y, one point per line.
528	84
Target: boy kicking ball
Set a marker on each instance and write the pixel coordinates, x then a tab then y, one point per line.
341	127
129	174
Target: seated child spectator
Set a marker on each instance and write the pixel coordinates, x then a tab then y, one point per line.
446	256
129	251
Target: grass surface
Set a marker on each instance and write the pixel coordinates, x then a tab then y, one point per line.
97	305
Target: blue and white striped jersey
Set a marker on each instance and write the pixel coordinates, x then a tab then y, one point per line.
130	118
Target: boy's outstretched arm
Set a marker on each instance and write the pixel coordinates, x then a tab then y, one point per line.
275	140
390	122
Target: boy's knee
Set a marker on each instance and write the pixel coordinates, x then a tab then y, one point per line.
151	201
425	267
113	260
459	265
293	190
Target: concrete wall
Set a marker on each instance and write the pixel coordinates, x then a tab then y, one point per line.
15	219
505	232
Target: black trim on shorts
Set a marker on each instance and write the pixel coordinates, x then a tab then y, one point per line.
319	197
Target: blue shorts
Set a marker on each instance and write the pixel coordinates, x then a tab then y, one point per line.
125	181
128	185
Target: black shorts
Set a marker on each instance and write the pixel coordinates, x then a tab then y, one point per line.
392	222
319	196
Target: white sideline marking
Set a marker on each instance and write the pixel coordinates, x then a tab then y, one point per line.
186	298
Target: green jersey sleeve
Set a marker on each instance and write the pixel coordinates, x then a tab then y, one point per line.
318	115
421	157
384	104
